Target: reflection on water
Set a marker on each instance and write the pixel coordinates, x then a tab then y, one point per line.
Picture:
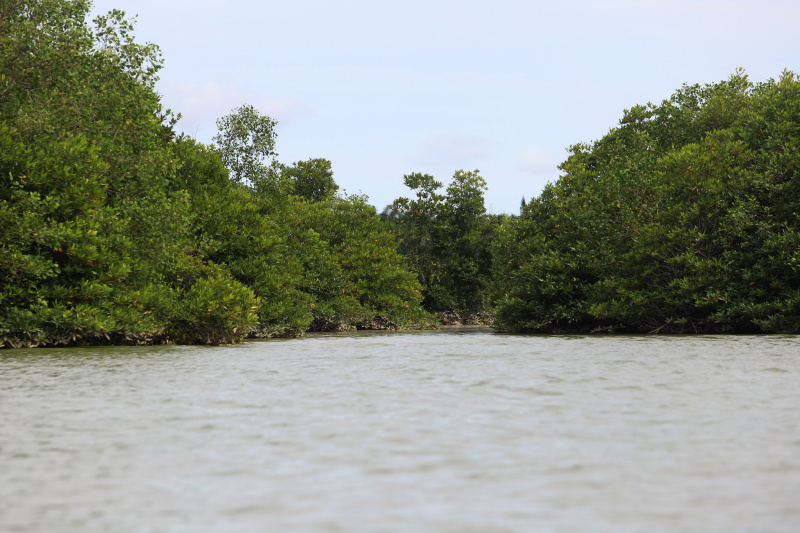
458	430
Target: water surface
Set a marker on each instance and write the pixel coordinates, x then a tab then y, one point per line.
458	430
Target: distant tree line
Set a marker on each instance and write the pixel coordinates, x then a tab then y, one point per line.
114	228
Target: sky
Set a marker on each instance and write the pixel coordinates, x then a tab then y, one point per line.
384	89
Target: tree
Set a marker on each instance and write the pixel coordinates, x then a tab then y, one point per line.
681	219
95	244
467	238
312	179
244	237
246	143
446	239
351	269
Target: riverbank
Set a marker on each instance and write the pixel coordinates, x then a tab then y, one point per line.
453	318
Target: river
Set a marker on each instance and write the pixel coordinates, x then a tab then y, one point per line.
458	430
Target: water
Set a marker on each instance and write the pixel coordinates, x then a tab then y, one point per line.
448	431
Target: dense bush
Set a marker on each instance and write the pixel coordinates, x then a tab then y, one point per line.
94	245
353	270
681	219
115	230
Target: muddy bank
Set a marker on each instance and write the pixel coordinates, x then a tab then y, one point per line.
453	318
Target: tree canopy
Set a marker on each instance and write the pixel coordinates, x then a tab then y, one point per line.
447	240
681	219
245	142
116	229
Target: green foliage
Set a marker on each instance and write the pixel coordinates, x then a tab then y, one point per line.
312	179
115	230
233	227
315	259
446	238
682	219
68	269
246	138
351	269
95	245
61	245
312	262
214	309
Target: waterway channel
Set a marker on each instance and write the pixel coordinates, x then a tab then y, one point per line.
459	430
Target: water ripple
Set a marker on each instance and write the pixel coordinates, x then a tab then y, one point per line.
423	431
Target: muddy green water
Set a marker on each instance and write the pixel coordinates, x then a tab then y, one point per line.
447	431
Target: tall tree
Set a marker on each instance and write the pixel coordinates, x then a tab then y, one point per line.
246	143
446	238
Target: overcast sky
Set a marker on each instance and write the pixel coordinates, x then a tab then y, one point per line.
383	89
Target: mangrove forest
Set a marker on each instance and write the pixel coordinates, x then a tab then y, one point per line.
115	228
